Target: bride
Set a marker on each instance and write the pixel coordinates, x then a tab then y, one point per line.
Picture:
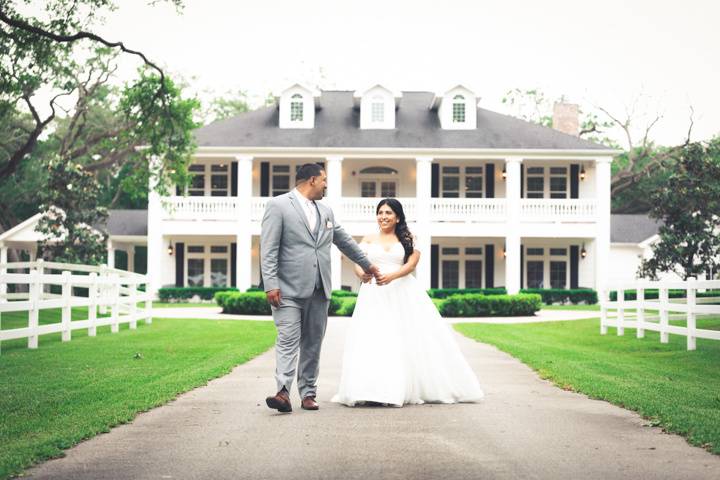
398	349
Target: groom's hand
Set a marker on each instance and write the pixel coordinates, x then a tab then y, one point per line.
273	297
374	271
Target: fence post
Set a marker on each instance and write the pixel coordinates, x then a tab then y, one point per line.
621	310
33	314
640	311
115	318
604	298
132	287
92	308
103	290
66	308
691	318
663	314
148	305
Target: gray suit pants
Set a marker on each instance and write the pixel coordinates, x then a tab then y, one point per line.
300	326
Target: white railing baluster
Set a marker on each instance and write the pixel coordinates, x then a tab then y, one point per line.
93	306
604	298
133	305
115	311
640	312
663	315
621	311
34	314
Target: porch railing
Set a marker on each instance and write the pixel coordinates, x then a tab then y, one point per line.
545	209
200	208
467	209
359	209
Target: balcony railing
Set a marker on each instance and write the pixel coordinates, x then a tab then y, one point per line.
467	209
356	209
543	209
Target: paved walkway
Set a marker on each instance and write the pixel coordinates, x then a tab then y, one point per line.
213	313
525	428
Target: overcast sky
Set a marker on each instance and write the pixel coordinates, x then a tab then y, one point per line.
606	53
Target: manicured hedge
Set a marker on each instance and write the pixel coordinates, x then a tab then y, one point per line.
654	294
476	305
347	308
343	293
168	294
561	295
446	292
249	303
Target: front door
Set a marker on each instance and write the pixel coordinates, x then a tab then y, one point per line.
371	188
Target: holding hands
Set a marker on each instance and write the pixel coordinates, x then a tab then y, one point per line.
374	272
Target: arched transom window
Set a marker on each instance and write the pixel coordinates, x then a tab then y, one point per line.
458	110
296	108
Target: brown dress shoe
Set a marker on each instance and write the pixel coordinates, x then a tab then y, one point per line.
309	403
280	402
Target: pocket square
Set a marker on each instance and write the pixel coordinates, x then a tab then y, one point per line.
329	224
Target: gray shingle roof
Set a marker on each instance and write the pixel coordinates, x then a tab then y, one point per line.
632	228
337	124
127	222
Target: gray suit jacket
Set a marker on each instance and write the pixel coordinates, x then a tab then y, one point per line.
290	255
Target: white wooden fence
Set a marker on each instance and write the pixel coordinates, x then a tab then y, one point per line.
109	289
643	314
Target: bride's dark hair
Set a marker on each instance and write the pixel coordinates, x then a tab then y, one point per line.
401	229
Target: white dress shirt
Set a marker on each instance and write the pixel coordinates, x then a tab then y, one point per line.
308	207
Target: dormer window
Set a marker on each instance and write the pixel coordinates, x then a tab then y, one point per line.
458	109
378	110
296	108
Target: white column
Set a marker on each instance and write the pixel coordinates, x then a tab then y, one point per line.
243	236
334	198
602	250
155	248
512	237
3	270
110	254
423	179
131	258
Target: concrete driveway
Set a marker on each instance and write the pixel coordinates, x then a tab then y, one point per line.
525	428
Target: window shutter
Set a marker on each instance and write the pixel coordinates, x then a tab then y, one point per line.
490	266
179	264
264	179
574	180
177	191
522	181
435	180
434	270
574	265
490	180
522	267
234	179
233	264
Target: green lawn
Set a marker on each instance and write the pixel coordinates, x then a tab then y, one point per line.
595	307
676	389
184	305
62	393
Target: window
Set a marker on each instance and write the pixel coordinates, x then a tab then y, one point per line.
280	179
450	273
296	108
558	274
558	182
196	271
473	182
536	251
535	182
218	272
450	182
561	252
473	274
208	266
219	180
388	189
470	178
378	181
367	189
458	109
377	110
535	274
197	183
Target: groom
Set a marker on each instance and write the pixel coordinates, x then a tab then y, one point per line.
295	262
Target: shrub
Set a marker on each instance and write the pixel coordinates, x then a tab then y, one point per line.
477	305
248	303
343	293
335	305
348	307
446	292
169	294
562	295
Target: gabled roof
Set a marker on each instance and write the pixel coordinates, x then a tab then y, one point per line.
635	228
337	125
127	222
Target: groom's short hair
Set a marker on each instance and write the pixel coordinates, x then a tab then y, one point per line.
306	171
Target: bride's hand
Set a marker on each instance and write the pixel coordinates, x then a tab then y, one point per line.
385	278
366	277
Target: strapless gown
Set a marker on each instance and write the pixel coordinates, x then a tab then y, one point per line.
398	348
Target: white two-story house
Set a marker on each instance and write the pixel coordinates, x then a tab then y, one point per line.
493	200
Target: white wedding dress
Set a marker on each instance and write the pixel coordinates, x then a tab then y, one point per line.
398	349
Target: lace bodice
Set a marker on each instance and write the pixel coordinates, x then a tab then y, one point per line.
387	260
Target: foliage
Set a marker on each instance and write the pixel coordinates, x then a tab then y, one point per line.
476	305
70	211
560	295
335	305
446	292
343	293
248	303
170	294
688	204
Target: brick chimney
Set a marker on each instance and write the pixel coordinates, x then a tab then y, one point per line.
565	118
